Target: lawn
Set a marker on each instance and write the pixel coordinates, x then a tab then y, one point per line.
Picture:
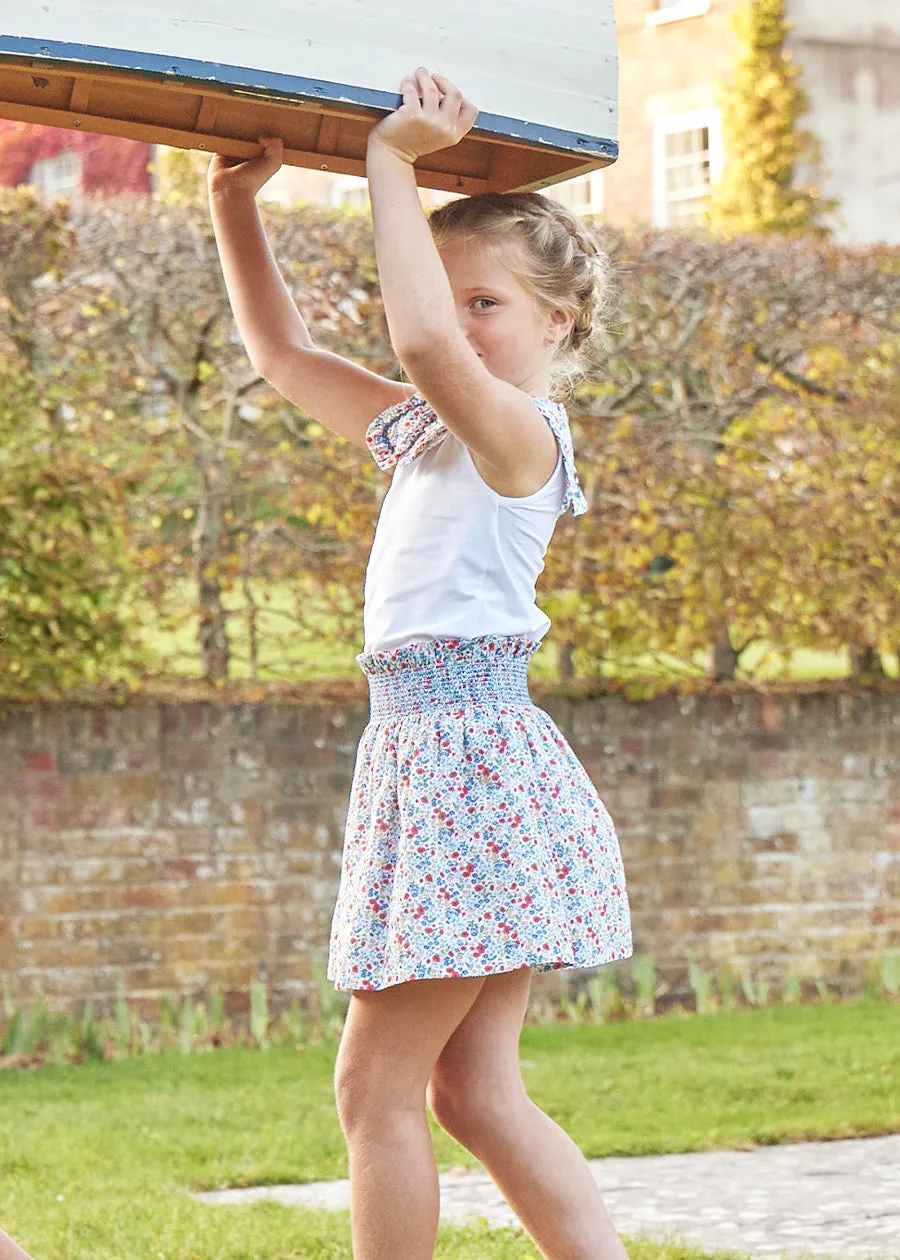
285	654
95	1161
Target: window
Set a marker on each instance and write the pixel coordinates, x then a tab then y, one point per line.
350	191
675	11
58	175
584	194
687	161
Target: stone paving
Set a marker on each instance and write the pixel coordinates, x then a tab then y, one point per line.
834	1200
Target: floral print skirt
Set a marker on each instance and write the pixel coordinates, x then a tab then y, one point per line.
475	841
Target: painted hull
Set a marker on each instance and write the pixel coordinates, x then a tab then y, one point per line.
209	74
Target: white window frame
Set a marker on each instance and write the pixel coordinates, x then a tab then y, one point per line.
596	203
671	125
677	12
349	191
46	177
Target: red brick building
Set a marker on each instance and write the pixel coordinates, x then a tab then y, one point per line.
59	162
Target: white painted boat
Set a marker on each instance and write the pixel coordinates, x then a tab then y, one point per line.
214	74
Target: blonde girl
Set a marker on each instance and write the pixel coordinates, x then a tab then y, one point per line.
476	850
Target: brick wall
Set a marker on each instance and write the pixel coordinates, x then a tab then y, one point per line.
177	847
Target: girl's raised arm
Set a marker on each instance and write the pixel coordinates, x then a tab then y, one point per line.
340	394
495	419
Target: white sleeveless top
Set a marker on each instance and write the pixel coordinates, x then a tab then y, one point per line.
451	557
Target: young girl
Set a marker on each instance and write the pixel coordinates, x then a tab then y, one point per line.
476	848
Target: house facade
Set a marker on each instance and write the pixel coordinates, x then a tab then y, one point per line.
850	54
675	56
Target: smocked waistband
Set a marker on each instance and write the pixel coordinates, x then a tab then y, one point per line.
491	671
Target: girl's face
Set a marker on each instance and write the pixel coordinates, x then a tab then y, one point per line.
510	332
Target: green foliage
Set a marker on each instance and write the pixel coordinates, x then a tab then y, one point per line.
738	445
65	566
767	151
259	1014
179	175
188	1024
35	239
890	973
702	985
792	991
740	455
644	980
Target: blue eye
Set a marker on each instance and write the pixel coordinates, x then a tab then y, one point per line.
490	302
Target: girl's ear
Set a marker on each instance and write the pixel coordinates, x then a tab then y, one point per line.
560	326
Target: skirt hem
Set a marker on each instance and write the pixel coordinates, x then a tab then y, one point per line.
345	984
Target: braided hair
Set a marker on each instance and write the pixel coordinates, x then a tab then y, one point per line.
559	261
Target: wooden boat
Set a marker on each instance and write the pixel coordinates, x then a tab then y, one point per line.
215	74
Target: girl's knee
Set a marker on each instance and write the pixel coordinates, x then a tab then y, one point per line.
366	1096
470	1113
356	1094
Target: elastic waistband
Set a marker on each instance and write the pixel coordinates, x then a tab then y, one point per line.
490	671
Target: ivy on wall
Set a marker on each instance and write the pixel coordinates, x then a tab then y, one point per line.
769	153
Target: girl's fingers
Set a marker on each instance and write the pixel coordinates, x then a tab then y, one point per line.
450	105
434	99
410	92
428	90
455	106
450	90
467	115
272	151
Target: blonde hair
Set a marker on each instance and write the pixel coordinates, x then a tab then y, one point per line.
559	262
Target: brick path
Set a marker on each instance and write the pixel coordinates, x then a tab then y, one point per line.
834	1200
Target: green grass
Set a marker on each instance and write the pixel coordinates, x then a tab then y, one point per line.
95	1160
285	654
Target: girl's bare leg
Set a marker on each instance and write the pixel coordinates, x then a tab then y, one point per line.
546	1181
478	1096
391	1041
10	1250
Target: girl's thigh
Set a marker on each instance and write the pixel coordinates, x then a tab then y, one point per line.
393	1037
481	1057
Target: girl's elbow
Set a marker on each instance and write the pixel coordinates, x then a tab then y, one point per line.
422	345
268	359
409	353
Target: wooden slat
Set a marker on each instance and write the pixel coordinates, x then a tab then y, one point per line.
133	80
206	115
81	96
326	141
506	168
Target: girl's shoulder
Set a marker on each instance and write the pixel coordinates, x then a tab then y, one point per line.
407	429
558	418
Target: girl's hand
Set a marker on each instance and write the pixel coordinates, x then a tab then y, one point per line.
227	174
434	115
